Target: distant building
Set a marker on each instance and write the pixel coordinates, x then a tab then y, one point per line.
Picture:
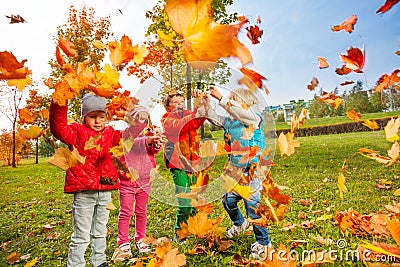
289	109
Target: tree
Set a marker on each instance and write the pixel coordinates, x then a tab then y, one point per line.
9	143
13	96
377	101
38	106
82	29
319	109
358	99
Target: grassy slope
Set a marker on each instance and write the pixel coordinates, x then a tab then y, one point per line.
31	196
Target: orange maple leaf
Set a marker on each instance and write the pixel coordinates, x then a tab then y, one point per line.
26	116
323	63
388	80
314	83
252	79
106	82
353	115
332	99
119	104
63	92
11	68
388	5
347	25
121	53
203	38
393	225
67	46
354	60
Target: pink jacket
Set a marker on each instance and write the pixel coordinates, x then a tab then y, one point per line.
140	158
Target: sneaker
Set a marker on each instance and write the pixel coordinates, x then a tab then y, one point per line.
179	241
122	253
259	252
142	247
236	230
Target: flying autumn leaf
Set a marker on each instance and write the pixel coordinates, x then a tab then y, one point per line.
32	132
347	25
107	82
286	143
391	129
203	38
121	53
16	19
26	116
346	83
11	68
99	44
253	78
254	34
388	5
230	184
354	60
332	99
314	83
373	125
64	158
353	115
323	63
386	81
67	46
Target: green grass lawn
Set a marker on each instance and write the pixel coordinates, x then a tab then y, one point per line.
31	197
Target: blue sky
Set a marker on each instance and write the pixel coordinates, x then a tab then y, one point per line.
296	32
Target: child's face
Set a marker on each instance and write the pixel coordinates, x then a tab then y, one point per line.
142	117
177	103
96	120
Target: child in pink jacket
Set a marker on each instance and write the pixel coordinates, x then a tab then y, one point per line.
141	143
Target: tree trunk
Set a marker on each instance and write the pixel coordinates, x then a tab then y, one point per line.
37	151
13	161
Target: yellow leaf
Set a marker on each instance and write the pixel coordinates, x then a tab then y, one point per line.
324	217
371	247
166	39
110	206
286	144
391	129
32	132
20	83
140	54
232	185
341	185
373	125
31	263
98	44
64	158
91	143
397	193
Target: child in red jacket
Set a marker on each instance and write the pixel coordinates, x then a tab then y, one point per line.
181	150
92	181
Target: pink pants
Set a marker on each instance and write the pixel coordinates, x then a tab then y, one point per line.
132	196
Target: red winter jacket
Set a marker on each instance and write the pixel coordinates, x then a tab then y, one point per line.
180	130
98	172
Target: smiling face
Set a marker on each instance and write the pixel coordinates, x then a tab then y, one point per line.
176	104
96	120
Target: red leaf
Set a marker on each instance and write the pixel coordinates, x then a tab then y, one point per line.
388	5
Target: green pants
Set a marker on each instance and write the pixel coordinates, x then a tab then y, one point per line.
182	184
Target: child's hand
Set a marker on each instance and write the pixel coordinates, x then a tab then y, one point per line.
197	93
201	112
215	93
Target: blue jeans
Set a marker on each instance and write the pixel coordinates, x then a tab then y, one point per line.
230	201
90	224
